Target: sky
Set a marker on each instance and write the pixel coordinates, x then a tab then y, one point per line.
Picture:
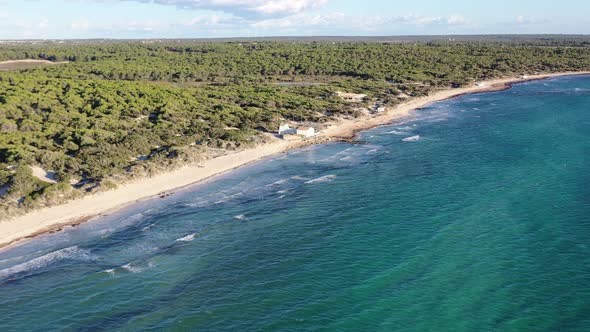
139	19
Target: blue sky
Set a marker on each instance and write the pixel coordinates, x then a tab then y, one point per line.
250	18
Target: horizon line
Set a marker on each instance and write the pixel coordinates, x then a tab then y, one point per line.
307	37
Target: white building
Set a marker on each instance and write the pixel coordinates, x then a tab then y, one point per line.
284	129
480	84
306	131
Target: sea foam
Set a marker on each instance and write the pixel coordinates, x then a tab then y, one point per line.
411	139
397	132
70	253
187	238
325	178
132	267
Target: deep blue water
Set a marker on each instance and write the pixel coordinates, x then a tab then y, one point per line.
482	225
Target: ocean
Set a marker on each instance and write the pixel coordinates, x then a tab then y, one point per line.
483	224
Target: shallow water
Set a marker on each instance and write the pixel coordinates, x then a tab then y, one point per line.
482	224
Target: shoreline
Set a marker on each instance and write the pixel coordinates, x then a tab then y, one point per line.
55	218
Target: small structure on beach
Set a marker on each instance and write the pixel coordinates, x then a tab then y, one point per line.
524	77
306	131
288	133
480	84
285	129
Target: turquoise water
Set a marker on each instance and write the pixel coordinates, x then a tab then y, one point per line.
482	225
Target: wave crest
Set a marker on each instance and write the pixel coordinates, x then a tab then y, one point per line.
325	178
70	253
187	238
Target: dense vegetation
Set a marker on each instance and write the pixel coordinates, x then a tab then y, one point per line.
123	109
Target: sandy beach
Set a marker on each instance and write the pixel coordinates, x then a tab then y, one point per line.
9	62
26	63
84	209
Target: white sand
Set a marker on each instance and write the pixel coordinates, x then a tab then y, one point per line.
43	175
8	62
47	219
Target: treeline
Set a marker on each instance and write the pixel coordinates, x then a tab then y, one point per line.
88	131
124	109
438	64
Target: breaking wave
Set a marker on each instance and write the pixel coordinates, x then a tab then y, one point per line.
187	238
411	139
325	178
70	253
397	132
133	267
276	183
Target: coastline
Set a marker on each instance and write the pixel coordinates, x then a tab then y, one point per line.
54	218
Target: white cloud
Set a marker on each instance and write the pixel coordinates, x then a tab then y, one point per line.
272	17
301	21
43	24
215	21
246	8
455	19
334	23
148	26
18	28
524	20
81	25
287	6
